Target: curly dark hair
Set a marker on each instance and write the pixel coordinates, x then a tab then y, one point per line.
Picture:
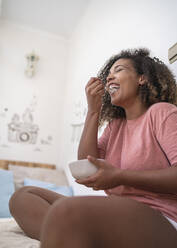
160	85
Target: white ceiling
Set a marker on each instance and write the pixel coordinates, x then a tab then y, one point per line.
57	16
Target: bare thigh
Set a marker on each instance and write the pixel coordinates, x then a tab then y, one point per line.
106	222
29	205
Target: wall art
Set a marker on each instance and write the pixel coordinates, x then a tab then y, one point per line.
24	131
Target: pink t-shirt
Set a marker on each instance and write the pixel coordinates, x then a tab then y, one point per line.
146	143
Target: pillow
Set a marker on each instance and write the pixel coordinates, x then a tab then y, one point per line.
64	190
6	191
57	177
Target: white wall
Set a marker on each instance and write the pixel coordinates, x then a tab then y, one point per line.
106	28
18	92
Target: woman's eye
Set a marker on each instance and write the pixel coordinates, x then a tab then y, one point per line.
117	70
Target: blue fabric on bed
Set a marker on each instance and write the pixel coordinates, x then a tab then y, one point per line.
6	191
64	190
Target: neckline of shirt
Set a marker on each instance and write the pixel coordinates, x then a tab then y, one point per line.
137	119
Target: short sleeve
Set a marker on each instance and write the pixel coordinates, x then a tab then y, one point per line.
167	137
103	141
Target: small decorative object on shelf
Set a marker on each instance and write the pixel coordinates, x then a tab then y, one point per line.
32	59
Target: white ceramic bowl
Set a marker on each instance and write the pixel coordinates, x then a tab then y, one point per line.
82	168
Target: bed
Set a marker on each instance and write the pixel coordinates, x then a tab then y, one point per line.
11	235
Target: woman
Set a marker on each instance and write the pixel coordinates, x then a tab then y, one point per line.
136	94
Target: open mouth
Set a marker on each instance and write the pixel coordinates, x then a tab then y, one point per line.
112	88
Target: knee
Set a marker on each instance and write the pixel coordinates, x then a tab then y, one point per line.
65	218
67	213
16	198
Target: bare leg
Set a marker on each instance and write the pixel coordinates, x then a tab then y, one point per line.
29	205
106	222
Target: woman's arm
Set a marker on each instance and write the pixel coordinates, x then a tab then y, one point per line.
107	177
88	143
162	181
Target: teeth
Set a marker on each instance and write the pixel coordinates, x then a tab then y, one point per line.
111	91
112	88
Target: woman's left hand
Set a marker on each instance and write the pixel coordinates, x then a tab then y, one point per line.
106	177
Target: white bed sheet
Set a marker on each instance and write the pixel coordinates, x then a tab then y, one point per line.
12	236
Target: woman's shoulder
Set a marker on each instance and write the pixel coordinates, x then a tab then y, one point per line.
162	110
162	107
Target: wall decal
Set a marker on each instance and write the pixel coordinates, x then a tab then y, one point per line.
3	113
32	59
47	141
33	104
78	120
23	131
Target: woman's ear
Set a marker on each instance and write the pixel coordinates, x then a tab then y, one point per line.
142	80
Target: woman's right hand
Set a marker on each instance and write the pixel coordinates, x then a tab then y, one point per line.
94	92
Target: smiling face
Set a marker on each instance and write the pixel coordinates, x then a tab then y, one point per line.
122	83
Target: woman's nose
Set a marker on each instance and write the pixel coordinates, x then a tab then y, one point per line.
109	78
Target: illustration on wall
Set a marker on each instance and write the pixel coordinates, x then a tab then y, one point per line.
32	59
47	141
23	131
3	113
78	119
